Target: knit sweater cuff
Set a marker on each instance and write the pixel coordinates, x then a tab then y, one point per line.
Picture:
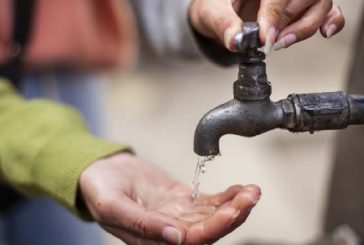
60	163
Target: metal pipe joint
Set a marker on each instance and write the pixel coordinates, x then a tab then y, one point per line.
251	112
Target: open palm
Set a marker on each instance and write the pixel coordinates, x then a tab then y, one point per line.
141	204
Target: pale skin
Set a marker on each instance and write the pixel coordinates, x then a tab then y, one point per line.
140	203
282	22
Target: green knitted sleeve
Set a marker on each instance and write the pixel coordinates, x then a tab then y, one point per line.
45	146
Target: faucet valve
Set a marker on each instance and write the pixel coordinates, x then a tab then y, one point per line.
251	112
252	83
248	41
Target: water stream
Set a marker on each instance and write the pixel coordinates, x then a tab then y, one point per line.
200	169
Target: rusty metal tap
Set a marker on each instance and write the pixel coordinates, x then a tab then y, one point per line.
251	112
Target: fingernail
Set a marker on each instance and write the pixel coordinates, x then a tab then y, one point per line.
285	42
271	38
331	30
172	235
252	198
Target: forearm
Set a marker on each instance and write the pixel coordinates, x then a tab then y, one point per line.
45	146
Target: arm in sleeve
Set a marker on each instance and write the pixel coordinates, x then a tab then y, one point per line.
45	146
168	31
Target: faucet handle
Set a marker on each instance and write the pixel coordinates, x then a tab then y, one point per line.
248	39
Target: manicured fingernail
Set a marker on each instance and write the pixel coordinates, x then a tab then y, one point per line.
271	38
331	30
172	235
285	42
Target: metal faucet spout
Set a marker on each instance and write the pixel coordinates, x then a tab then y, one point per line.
251	112
244	118
297	113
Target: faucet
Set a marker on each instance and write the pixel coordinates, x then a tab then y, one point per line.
251	112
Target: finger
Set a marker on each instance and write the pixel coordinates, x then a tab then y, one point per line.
219	198
126	214
132	239
248	10
217	19
269	20
213	228
333	23
231	214
305	27
244	202
293	11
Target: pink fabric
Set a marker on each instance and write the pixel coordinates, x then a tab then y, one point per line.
5	27
80	33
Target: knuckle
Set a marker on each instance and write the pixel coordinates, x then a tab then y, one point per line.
286	18
274	12
199	11
309	27
203	11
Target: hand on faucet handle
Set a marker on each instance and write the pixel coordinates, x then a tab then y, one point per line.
282	22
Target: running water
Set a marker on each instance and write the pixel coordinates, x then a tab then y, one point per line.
200	169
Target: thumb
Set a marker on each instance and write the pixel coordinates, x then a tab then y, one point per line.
133	220
217	19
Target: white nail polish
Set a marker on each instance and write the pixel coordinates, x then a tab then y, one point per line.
331	31
279	45
285	41
227	37
270	40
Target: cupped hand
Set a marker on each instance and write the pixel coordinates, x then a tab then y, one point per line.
141	204
282	22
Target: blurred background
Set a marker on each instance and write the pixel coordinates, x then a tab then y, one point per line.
157	107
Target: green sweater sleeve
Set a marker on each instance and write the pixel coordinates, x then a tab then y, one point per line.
45	146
